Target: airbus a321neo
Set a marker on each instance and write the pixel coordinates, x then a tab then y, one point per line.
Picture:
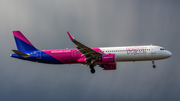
105	57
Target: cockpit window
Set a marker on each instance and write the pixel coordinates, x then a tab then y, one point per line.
162	49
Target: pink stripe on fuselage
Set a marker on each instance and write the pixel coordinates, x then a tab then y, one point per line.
19	35
67	56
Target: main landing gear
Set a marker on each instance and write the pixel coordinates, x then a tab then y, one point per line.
92	68
154	66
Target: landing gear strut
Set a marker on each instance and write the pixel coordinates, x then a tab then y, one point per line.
154	66
92	68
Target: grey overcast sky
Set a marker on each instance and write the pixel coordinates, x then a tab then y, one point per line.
95	23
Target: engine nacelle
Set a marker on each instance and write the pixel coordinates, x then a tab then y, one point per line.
110	66
108	58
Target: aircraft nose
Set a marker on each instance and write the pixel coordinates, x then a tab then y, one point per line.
168	54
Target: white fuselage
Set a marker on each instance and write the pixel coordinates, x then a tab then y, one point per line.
137	53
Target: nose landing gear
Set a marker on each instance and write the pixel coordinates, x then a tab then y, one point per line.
154	66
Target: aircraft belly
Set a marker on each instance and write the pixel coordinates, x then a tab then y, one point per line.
130	57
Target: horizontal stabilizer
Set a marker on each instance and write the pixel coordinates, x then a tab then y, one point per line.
20	53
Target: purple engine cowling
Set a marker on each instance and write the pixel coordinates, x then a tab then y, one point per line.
109	66
108	58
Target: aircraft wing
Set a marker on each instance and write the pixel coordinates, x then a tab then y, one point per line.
89	53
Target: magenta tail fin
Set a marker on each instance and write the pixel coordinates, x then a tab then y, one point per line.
22	43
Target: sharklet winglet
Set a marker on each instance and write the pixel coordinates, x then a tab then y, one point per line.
70	36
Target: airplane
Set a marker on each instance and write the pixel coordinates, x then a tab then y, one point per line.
105	57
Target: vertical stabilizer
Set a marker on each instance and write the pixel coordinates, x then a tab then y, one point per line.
22	42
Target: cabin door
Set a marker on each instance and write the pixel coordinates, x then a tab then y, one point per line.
38	54
153	51
73	53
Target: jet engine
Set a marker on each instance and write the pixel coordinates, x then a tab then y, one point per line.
108	58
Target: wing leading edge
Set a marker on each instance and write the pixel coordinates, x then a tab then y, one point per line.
89	53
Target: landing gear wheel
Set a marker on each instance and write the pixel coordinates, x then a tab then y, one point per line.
154	66
91	66
93	71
